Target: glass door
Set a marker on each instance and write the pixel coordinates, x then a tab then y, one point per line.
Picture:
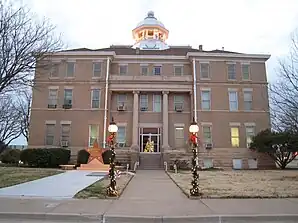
152	134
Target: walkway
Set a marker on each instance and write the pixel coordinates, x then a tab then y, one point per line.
64	185
152	192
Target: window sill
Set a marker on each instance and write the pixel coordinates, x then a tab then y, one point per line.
205	79
69	78
96	78
53	78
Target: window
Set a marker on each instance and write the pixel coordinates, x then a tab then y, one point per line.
53	98
65	132
232	71
67	96
97	69
178	70
179	137
54	71
144	70
250	133
123	69
50	134
204	70
247	95
207	136
121	99
121	135
93	134
206	100
157	103
245	71
178	102
233	100
95	94
235	136
70	69
144	102
157	70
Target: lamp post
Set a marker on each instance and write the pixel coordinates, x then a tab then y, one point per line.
194	129
113	129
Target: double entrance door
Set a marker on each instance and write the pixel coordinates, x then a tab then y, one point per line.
152	134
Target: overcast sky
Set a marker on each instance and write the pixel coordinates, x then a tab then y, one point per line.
248	26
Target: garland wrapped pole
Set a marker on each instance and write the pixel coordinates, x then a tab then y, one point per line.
194	129
112	189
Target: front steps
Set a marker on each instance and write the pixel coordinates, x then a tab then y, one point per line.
150	161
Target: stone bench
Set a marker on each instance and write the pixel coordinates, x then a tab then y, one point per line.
67	167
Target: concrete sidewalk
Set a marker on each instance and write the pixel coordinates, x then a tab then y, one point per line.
114	211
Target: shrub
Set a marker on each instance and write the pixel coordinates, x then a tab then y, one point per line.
53	157
181	165
106	156
83	157
11	156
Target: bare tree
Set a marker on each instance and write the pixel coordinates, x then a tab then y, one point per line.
25	45
284	92
24	106
10	116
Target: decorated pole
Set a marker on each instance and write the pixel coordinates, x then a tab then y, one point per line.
194	141
112	188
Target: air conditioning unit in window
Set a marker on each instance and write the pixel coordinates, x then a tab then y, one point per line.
121	144
121	107
64	143
178	107
208	146
52	106
144	108
67	104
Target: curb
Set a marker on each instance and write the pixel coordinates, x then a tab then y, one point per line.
50	216
144	219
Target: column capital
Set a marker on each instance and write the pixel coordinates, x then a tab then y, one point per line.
165	92
190	92
135	92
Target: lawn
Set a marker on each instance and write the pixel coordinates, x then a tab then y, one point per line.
242	184
99	188
10	176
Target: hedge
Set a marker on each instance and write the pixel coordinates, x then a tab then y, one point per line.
10	156
82	157
49	158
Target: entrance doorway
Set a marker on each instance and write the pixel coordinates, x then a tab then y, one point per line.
152	134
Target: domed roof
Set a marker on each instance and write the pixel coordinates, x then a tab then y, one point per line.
150	20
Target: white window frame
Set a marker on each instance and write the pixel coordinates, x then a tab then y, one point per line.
64	135
155	102
180	67
203	134
97	72
242	71
231	108
124	136
248	135
178	99
247	103
147	70
122	66
234	137
64	98
54	100
235	71
201	71
206	101
160	68
146	100
121	102
179	127
47	134
67	69
92	99
89	134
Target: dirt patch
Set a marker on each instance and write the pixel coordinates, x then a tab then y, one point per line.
242	184
99	189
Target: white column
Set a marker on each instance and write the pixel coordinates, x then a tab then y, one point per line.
135	118
165	120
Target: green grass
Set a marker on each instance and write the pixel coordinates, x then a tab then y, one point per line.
10	176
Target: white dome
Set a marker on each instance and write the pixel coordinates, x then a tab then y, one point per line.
150	20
